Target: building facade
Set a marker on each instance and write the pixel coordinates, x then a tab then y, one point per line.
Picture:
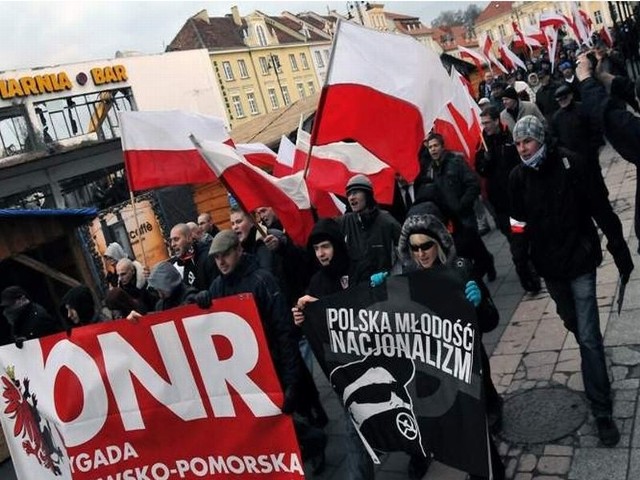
261	63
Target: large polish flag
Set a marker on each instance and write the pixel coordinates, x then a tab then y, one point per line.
252	187
476	57
257	154
290	160
552	19
487	51
384	91
331	166
510	59
459	121
158	152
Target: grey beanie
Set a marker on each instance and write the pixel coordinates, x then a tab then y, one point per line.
115	251
164	277
359	182
529	126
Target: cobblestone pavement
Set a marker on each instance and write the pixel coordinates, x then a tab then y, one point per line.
531	351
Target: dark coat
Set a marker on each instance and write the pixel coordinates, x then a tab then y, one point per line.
275	315
453	187
200	269
557	205
371	237
495	164
181	295
571	128
546	101
331	278
34	322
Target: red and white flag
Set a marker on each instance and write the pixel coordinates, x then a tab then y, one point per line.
257	154
158	152
552	19
487	51
552	35
606	37
290	159
459	121
510	59
476	57
383	91
331	166
252	187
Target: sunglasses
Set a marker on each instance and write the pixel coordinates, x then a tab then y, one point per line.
423	246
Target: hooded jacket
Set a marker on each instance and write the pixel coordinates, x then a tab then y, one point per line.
486	312
166	278
80	299
335	276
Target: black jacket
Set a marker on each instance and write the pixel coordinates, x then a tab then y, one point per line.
572	129
454	188
334	277
181	295
275	315
557	205
495	164
198	270
371	238
546	101
34	321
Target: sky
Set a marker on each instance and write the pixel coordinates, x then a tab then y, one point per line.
48	33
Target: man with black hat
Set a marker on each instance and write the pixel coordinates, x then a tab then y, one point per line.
571	127
26	319
515	109
555	199
371	234
545	100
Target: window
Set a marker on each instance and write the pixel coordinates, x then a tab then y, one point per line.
264	65
285	94
275	61
253	105
294	63
312	87
532	19
262	38
237	106
242	66
326	55
319	60
273	98
301	93
14	133
597	15
303	59
228	72
91	113
502	31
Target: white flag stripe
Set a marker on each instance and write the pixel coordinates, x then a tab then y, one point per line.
221	157
168	130
420	74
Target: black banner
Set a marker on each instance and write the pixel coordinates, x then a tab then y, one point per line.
404	358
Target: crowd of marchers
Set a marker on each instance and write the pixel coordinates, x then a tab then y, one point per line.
543	187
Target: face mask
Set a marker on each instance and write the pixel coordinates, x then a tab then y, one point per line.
536	158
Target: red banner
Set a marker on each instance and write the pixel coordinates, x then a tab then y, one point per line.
186	393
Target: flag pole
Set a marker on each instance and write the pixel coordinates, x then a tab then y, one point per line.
263	233
321	101
135	215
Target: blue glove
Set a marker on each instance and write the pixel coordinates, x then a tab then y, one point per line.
377	279
473	293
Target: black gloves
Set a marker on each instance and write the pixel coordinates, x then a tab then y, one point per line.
203	299
290	399
622	258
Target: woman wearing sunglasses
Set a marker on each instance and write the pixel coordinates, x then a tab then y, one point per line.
425	243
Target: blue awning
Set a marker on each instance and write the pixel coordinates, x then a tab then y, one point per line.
49	212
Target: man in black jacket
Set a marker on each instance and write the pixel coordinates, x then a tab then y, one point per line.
191	258
240	273
26	319
454	188
610	115
494	161
555	199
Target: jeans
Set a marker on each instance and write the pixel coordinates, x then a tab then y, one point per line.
359	463
577	306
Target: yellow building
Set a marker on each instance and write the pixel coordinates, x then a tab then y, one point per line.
261	63
497	19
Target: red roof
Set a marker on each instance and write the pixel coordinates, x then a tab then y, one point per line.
493	10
